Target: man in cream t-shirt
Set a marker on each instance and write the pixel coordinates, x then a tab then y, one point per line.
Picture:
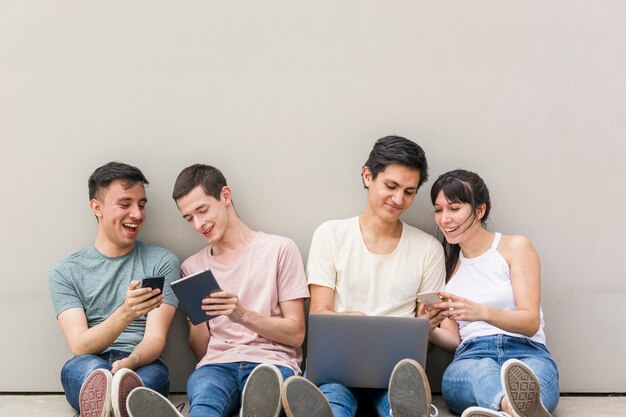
373	264
254	341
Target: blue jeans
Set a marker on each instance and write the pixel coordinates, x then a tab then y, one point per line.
75	371
473	377
214	390
344	401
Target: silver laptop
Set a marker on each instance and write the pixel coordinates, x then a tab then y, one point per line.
361	351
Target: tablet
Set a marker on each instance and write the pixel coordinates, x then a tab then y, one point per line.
191	290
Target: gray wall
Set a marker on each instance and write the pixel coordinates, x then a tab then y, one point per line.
287	98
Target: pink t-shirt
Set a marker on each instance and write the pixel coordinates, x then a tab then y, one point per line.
269	272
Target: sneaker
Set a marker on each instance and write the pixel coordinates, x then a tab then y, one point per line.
522	389
95	394
144	402
483	412
409	391
301	398
124	381
261	393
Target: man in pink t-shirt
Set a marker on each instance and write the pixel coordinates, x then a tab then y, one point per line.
254	341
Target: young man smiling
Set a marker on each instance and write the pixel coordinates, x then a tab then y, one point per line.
254	341
374	253
116	329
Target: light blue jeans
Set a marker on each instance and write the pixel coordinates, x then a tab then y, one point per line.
473	377
344	401
155	375
215	390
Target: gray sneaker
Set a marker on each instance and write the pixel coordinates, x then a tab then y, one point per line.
144	402
301	398
95	394
409	391
261	393
522	389
124	381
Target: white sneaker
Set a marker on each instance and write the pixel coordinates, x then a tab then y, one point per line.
483	412
409	391
124	381
523	390
95	394
261	393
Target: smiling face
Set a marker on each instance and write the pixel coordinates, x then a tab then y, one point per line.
457	221
120	214
391	192
207	215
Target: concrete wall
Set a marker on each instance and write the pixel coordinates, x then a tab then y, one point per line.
287	97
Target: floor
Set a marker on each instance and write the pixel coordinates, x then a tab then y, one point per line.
55	406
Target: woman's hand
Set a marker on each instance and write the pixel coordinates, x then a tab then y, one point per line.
459	308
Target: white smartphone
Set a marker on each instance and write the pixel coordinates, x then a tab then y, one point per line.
429	298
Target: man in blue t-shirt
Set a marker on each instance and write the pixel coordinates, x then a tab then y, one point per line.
116	329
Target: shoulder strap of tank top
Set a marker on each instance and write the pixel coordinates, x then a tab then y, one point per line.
496	240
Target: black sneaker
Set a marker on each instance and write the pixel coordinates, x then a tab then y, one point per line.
301	398
144	402
261	393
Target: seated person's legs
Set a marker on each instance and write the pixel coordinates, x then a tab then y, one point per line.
343	400
472	382
74	373
214	391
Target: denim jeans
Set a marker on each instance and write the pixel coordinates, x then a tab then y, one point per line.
75	371
214	390
473	377
344	401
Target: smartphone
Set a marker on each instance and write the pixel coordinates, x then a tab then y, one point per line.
153	282
429	298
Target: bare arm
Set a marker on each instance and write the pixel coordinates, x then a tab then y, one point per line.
149	349
526	282
323	301
83	339
288	330
199	336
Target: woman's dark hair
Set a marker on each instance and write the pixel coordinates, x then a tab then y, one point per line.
465	187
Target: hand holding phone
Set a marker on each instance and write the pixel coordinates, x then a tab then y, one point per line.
153	282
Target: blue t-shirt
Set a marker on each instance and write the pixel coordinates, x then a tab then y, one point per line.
96	283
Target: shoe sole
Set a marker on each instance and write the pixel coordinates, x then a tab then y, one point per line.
144	402
95	394
261	393
409	390
481	412
301	398
523	389
124	381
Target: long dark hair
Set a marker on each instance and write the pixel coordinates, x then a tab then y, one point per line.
465	187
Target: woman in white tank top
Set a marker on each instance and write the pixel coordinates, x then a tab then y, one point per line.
491	315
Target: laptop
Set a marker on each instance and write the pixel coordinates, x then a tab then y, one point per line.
361	351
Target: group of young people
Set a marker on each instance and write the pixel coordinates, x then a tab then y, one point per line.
249	354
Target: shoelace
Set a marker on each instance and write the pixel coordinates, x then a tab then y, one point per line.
436	411
180	407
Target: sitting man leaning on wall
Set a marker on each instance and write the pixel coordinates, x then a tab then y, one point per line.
374	253
254	341
116	329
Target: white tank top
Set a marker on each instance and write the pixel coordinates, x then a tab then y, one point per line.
486	279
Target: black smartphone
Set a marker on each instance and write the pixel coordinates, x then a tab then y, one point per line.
153	282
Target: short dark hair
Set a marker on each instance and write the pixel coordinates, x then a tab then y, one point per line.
397	150
103	176
209	178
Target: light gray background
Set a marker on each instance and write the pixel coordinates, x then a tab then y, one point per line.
287	98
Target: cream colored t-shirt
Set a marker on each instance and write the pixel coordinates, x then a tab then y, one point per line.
268	273
377	285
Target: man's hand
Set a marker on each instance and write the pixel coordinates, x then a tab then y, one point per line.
224	303
141	301
129	362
